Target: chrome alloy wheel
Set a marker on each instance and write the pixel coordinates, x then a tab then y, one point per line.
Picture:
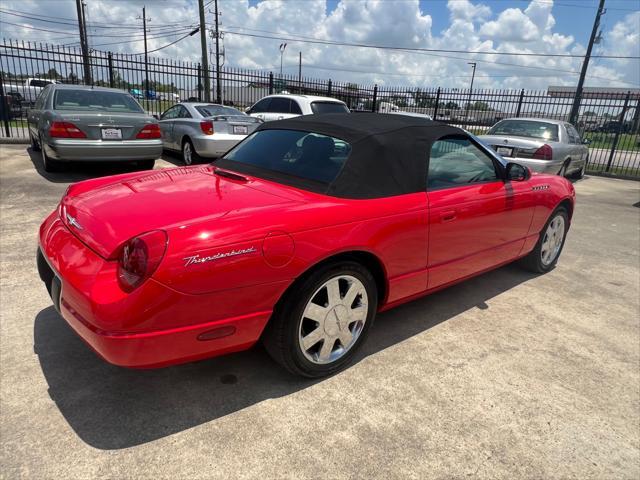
552	240
186	153
333	319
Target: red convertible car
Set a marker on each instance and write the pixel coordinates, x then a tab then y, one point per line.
296	237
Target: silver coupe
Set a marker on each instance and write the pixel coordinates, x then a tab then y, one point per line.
204	129
75	122
549	146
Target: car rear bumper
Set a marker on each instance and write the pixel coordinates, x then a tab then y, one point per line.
541	166
98	150
153	326
216	145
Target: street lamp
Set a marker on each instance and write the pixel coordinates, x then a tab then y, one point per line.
283	46
473	65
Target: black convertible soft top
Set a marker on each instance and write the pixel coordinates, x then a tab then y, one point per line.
389	153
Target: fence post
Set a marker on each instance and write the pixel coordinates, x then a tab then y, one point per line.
329	88
199	83
375	97
520	102
110	57
270	83
614	145
435	110
4	107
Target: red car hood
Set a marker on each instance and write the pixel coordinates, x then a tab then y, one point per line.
104	215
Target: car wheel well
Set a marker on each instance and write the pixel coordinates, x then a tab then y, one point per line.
366	259
184	140
568	206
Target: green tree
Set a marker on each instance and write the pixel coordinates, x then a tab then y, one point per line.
480	106
451	106
423	99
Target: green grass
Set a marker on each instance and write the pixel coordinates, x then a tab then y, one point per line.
626	142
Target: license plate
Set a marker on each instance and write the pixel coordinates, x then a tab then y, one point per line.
240	129
507	152
111	134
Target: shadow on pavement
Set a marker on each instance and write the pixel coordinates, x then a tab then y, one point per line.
113	408
78	171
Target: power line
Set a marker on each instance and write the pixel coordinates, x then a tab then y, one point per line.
493	62
426	50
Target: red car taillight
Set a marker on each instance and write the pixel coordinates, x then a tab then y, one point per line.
139	258
65	130
207	127
545	152
151	130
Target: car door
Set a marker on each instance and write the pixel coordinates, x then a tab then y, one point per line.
166	126
35	113
259	109
578	149
181	126
279	109
477	220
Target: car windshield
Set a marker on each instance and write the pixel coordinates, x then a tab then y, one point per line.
526	128
305	155
328	107
215	110
95	100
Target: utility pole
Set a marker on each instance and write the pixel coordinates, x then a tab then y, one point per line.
575	109
473	75
283	47
218	88
83	42
203	46
146	58
300	71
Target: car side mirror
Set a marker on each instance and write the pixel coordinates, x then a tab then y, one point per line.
586	141
156	116
517	172
247	110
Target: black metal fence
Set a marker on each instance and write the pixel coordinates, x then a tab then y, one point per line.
609	119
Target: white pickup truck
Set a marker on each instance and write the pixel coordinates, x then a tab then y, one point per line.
28	91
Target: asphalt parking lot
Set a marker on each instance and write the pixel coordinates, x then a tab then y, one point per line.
508	375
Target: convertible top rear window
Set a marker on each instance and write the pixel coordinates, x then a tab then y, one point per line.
369	155
305	155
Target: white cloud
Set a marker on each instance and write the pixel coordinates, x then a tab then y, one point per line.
512	25
472	26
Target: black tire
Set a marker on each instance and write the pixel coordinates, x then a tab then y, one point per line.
533	261
280	337
580	173
35	146
146	164
194	158
563	169
48	164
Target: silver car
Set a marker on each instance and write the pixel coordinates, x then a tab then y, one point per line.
549	146
74	122
204	129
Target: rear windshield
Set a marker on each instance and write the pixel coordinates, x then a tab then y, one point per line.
90	100
215	110
303	155
328	107
526	128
